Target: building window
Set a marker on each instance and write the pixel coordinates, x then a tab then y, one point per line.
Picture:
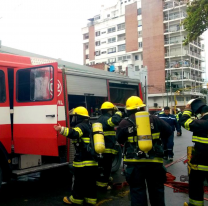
97	53
112	40
2	87
86	46
85	36
121	47
124	58
139	23
108	15
112	50
111	30
140	44
35	84
97	43
139	11
121	37
139	33
103	52
97	33
142	66
136	57
96	17
112	60
141	56
87	56
103	32
121	26
136	68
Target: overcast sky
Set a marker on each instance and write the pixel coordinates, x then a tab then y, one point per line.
49	27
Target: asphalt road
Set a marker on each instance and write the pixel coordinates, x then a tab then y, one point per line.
32	191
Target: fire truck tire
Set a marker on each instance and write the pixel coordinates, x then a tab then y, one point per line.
117	159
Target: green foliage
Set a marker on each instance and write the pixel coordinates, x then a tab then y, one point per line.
196	22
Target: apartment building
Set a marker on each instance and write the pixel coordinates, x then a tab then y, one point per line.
135	34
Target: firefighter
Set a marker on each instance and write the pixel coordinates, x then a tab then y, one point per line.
199	161
85	167
178	118
143	167
109	119
169	143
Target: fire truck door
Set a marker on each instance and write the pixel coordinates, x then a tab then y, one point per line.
5	121
35	110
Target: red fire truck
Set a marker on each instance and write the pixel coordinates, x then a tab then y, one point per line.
35	95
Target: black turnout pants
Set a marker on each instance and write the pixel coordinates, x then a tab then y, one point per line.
104	174
152	175
84	184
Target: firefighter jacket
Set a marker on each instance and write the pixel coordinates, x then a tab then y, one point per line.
178	117
127	135
171	120
109	122
80	136
199	128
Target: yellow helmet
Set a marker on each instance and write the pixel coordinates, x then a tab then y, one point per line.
134	102
107	105
82	111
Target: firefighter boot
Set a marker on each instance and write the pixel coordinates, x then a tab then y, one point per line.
67	201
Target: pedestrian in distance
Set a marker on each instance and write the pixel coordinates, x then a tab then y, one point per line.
85	167
199	161
110	118
169	142
143	154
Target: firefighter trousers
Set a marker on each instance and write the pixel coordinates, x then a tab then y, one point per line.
140	175
168	145
196	187
105	165
84	185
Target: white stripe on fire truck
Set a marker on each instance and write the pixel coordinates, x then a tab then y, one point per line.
4	115
61	113
35	114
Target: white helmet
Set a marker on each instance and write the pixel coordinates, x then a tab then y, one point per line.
178	109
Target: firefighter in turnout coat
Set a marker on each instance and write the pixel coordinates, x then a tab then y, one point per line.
110	118
199	160
85	167
143	167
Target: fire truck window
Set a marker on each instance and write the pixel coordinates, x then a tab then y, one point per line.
2	87
35	84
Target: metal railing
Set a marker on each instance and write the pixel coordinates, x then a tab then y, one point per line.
173	17
174	4
174	29
171	41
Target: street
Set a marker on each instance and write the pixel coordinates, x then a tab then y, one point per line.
33	191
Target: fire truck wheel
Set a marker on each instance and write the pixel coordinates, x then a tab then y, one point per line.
117	159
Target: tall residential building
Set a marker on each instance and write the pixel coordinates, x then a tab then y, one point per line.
135	34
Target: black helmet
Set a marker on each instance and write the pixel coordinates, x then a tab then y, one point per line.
197	105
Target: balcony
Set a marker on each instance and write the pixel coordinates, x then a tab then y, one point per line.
172	41
174	4
176	16
174	29
183	78
184	53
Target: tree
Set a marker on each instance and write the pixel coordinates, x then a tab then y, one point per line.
196	22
